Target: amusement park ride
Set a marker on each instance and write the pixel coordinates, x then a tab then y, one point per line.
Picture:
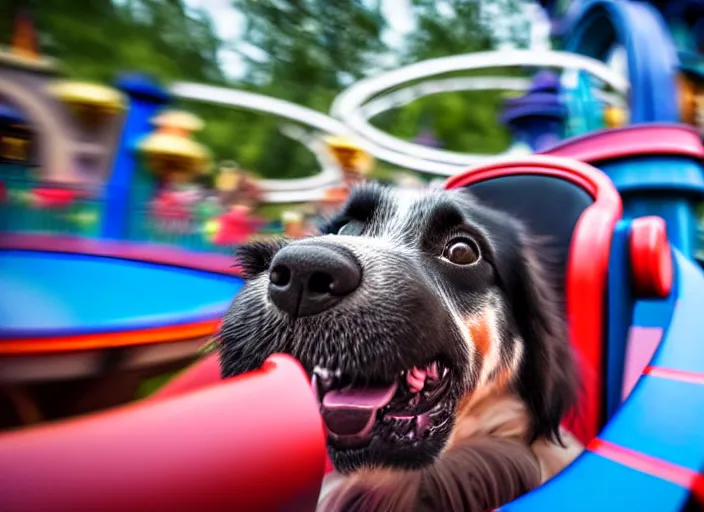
97	222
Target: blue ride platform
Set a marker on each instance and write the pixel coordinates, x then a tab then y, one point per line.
64	291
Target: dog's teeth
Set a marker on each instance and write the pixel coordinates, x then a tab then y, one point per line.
432	371
416	379
337	373
444	372
321	372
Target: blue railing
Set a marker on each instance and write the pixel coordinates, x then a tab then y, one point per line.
190	232
31	206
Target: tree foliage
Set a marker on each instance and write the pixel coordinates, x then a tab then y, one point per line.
462	121
305	51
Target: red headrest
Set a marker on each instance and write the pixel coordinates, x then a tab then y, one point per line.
255	442
587	255
632	141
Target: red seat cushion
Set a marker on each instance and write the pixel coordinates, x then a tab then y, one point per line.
577	206
252	443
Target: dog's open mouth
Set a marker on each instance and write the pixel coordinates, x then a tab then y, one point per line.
406	410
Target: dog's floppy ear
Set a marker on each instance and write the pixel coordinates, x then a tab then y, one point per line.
254	258
547	378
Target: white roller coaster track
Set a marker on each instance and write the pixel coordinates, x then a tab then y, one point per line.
367	98
349	106
401	97
279	191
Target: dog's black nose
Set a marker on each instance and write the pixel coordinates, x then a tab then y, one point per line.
308	279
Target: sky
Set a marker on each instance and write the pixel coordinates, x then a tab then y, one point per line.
229	24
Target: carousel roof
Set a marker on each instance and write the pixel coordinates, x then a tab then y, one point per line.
171	145
179	119
89	94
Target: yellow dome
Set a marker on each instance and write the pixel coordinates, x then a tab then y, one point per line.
338	141
90	95
615	116
166	145
349	155
227	180
179	119
687	99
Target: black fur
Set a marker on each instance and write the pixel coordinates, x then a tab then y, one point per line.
547	376
255	257
405	313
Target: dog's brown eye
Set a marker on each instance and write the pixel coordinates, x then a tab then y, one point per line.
461	252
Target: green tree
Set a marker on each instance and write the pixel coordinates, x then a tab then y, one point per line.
461	121
305	50
453	27
96	39
305	46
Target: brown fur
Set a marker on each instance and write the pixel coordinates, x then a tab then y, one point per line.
487	463
481	336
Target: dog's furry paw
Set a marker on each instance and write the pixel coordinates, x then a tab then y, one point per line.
481	474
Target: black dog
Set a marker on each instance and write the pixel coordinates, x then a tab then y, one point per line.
433	339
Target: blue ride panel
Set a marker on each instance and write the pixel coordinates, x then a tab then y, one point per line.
656	173
624	313
54	294
683	345
620	312
661	421
679	183
146	98
593	483
655	312
652	59
662	418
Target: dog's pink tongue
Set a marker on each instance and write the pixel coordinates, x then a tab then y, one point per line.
350	412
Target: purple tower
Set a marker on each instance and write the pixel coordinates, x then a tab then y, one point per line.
537	118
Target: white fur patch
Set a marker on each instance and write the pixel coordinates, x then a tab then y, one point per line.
486	319
464	331
403	202
517	357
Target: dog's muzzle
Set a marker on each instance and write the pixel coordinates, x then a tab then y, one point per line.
307	279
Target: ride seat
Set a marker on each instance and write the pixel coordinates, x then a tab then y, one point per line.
657	170
576	213
575	208
251	443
